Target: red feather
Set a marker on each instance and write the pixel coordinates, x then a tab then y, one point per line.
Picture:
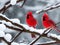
47	22
31	21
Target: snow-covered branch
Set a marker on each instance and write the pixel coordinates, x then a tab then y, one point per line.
11	24
10	4
49	8
55	37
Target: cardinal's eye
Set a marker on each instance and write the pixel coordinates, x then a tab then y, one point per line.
27	16
44	18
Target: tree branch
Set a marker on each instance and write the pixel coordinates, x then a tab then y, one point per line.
15	24
49	43
35	40
24	30
16	36
1	38
5	8
49	8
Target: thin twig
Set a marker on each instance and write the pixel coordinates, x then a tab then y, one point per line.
1	38
16	36
23	3
49	8
5	8
35	40
50	43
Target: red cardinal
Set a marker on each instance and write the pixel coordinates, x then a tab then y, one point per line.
31	21
47	22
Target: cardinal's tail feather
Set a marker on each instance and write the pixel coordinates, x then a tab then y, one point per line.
33	35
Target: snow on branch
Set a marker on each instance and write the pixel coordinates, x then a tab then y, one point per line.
49	8
55	37
8	5
24	28
13	2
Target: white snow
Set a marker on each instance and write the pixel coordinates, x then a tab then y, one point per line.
38	11
2	27
8	23
23	44
58	37
13	2
14	43
2	44
2	34
38	30
33	29
3	15
50	41
43	9
16	20
8	37
47	30
54	35
4	22
44	42
24	25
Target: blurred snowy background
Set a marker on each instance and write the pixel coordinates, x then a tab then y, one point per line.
31	5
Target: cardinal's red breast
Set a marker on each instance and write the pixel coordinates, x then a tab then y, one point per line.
31	22
46	24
